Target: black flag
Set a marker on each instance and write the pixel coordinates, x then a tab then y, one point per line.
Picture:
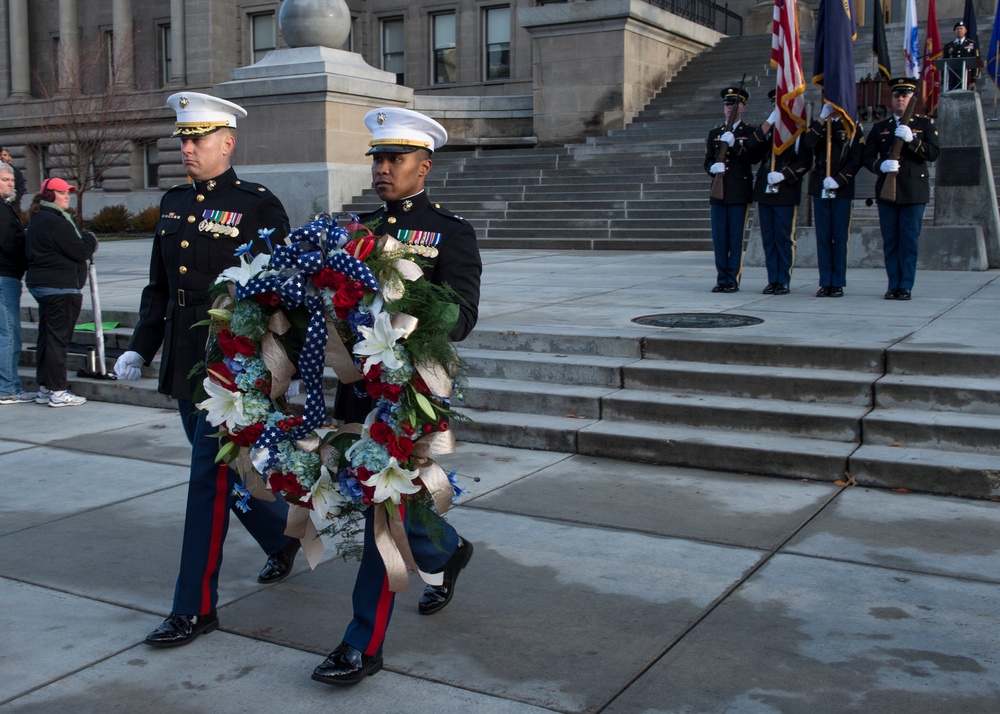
880	48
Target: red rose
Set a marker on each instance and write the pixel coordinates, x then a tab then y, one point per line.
221	375
407	428
349	294
328	278
420	385
374	389
392	392
362	474
400	447
286	483
374	372
267	299
248	435
380	432
233	345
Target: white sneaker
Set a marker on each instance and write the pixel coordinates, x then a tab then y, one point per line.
65	398
18	398
43	395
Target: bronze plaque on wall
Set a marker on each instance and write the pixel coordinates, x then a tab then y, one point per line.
958	167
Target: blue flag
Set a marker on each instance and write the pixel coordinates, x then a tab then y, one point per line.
993	57
833	69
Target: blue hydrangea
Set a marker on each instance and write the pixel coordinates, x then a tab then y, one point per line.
372	455
303	464
252	370
256	407
350	487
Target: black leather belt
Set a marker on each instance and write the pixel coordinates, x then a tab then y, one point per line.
187	298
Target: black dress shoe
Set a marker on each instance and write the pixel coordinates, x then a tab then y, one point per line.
178	630
824	291
769	290
903	294
719	288
891	294
781	289
730	288
435	597
346	665
279	564
836	292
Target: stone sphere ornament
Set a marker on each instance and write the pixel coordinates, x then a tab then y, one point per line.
311	23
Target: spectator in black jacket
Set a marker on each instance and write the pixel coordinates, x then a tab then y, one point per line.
57	269
19	185
12	266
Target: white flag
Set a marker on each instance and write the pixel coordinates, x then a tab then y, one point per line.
911	42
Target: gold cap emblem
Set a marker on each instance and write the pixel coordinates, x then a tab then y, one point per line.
381	118
184	101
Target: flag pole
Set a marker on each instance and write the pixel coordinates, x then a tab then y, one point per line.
996	57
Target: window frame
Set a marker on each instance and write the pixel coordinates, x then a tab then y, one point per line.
487	46
439	64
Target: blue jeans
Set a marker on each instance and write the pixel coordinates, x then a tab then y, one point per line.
10	335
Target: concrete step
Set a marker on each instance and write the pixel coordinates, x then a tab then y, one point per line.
929	470
576	369
941	393
938	430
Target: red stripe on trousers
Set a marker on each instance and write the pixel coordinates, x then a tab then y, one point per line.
385	599
215	545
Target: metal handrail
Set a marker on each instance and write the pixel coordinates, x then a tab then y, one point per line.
704	12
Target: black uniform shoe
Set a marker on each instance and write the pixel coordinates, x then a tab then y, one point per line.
346	665
769	290
891	294
279	564
824	291
719	288
781	289
902	294
836	292
435	597
730	288
178	630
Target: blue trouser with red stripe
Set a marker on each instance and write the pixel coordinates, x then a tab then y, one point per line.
372	599
206	520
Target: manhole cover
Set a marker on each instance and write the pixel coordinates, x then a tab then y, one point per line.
697	319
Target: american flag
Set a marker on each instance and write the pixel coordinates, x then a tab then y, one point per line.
787	60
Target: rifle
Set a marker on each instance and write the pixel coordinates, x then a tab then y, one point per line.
888	192
718	189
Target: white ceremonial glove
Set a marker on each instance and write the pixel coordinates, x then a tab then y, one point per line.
293	389
830	183
728	138
889	166
775	177
129	366
773	117
717	168
905	133
826	111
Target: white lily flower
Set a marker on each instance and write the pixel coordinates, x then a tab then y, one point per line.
379	342
223	405
392	482
325	498
245	272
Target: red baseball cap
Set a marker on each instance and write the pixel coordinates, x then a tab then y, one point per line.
56	184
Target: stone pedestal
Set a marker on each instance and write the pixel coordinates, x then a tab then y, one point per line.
304	136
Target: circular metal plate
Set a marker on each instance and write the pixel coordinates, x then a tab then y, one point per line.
697	319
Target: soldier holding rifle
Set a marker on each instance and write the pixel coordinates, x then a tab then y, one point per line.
897	151
728	160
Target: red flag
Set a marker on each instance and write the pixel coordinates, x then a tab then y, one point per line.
786	58
931	86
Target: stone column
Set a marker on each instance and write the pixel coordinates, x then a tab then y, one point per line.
69	44
178	65
20	72
121	14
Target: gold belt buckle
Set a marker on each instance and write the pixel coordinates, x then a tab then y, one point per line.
180	298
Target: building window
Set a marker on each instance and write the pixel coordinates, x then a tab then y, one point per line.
57	61
166	66
497	60
151	162
443	69
263	37
109	51
392	48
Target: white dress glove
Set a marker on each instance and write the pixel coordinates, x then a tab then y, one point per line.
830	183
293	389
827	111
129	366
775	177
717	168
889	166
905	133
773	117
728	138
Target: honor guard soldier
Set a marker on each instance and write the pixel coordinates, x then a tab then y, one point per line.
403	143
837	157
777	192
901	215
963	46
202	223
730	205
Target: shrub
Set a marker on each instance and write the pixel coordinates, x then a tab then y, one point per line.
145	221
111	219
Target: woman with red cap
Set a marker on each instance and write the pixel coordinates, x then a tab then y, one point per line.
57	269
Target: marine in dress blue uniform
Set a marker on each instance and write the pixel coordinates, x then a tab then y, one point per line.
201	225
778	206
900	220
832	190
729	213
401	135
